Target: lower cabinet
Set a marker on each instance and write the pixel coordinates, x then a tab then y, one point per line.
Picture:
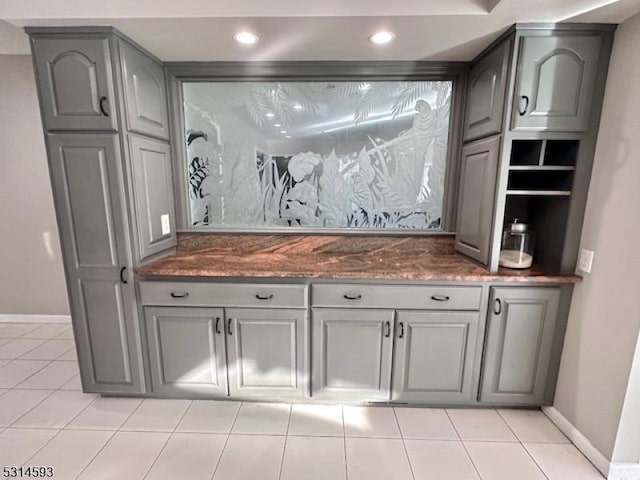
521	332
352	353
186	350
435	356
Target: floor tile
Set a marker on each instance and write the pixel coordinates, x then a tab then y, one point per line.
377	459
314	458
49	331
17	371
532	426
56	411
105	413
70	452
441	460
15	403
15	330
70	356
156	415
49	349
209	416
379	422
251	457
480	425
316	420
126	456
192	456
73	384
18	347
4	362
503	461
18	445
53	376
66	335
262	419
562	462
425	423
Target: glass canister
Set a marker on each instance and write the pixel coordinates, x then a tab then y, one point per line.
517	246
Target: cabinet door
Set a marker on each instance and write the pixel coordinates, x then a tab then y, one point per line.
486	94
186	350
145	93
153	195
75	83
478	172
435	355
87	185
352	354
267	352
555	82
521	328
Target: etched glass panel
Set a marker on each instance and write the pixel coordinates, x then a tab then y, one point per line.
317	154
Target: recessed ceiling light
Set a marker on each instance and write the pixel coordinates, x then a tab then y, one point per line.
246	38
382	37
283	131
287	136
297	106
269	114
277	125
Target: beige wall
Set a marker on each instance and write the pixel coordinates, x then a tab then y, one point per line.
605	312
31	275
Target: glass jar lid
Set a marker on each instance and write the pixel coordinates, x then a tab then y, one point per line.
518	227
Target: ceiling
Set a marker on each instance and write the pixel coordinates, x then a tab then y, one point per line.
298	30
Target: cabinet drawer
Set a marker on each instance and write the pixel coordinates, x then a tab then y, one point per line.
223	294
397	296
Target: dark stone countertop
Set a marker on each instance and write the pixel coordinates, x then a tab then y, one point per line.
332	257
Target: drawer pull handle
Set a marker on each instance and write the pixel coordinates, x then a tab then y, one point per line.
497	306
103	110
229	322
387	324
523	111
179	295
440	298
264	297
401	325
353	297
122	279
218	325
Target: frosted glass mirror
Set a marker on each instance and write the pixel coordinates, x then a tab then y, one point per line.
316	154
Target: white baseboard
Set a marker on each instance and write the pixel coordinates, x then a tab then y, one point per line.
4	318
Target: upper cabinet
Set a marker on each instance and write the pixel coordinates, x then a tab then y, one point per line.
486	93
555	82
145	93
75	83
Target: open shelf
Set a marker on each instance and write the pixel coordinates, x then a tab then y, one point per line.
542	168
526	152
540	193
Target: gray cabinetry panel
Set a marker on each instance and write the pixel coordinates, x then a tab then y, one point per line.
478	171
435	355
486	93
153	195
87	185
555	82
75	83
267	352
145	93
521	330
186	351
352	354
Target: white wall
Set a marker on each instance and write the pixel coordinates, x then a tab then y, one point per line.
31	275
605	313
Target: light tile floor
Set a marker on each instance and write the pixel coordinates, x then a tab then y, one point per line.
45	420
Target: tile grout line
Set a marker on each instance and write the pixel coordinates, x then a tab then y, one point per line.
344	444
24	353
404	445
286	438
224	447
463	444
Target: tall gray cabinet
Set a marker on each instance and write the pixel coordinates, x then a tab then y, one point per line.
104	112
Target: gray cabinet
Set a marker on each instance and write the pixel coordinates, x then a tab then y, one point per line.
75	83
521	330
267	352
486	93
153	195
555	82
86	173
478	177
435	356
186	351
145	93
352	354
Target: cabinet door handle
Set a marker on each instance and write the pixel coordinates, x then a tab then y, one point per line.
523	111
102	108
122	272
264	297
353	297
497	306
440	298
179	295
229	322
218	325
401	333
387	325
